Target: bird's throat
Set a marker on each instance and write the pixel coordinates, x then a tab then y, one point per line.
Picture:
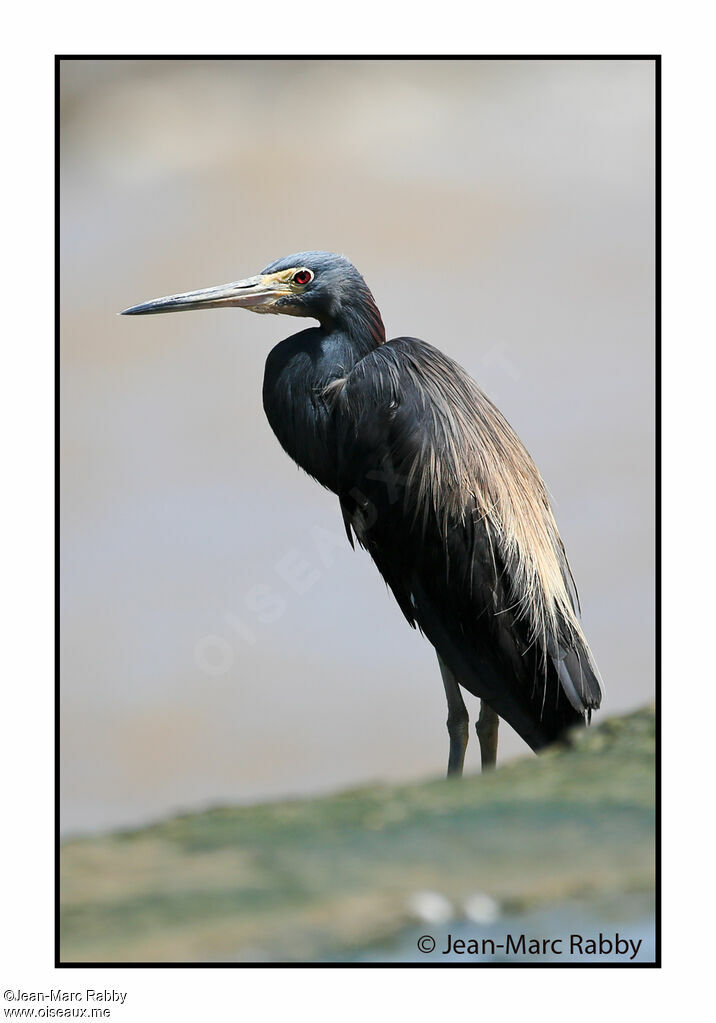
299	388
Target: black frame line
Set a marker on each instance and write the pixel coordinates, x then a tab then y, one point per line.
656	58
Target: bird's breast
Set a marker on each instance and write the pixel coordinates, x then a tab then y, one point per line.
296	399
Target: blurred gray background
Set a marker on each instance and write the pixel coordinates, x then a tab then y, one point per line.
502	210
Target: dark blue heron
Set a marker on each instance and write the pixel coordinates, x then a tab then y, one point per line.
436	486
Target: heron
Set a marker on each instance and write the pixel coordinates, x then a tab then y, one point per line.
434	483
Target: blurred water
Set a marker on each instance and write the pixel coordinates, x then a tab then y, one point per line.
501	210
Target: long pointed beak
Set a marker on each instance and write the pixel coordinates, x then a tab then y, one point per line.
254	291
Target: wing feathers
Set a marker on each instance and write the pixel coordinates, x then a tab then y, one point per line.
440	490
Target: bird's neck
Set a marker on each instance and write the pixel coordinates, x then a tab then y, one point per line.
358	322
300	372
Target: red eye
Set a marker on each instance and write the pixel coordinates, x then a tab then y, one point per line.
302	276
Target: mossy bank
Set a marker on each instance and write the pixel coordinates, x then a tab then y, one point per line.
312	880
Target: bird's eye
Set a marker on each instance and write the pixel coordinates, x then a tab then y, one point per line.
302	276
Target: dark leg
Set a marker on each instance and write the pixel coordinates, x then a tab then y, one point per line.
486	728
457	722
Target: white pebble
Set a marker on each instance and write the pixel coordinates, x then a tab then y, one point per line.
431	907
482	909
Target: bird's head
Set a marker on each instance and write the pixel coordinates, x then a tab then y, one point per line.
317	284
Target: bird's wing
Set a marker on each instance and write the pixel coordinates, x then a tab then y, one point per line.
437	487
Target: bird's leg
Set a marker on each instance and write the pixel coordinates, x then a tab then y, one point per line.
486	728
457	721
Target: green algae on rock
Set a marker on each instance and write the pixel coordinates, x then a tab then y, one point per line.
307	880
